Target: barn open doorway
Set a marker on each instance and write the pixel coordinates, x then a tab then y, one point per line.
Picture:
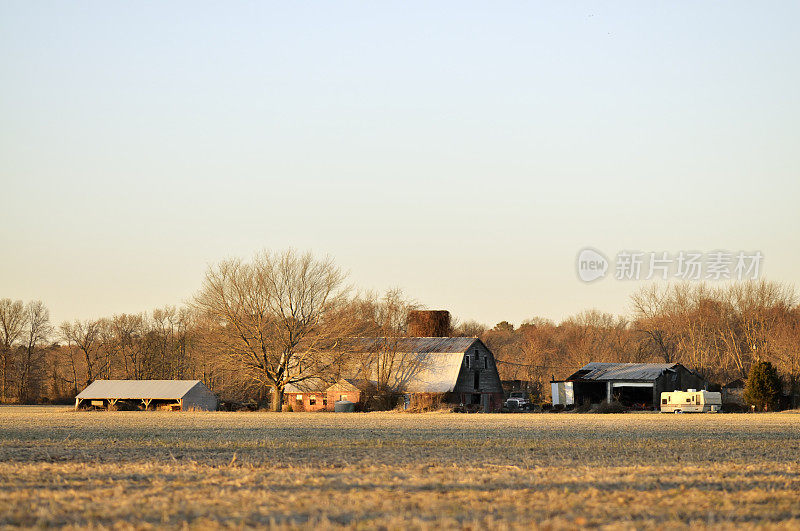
636	397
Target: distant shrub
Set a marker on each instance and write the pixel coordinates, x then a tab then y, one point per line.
421	402
609	407
763	389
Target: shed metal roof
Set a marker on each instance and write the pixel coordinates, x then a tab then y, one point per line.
604	372
137	389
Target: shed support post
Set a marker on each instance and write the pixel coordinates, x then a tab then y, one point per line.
608	392
77	404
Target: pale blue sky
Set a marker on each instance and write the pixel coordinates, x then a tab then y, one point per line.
462	151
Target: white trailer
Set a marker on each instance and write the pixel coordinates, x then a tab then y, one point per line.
691	401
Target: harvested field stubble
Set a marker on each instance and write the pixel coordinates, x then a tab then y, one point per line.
59	467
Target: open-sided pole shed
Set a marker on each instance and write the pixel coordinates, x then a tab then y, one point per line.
172	394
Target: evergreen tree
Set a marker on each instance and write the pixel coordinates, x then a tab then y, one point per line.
763	387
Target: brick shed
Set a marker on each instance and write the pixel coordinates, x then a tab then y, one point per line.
345	389
301	400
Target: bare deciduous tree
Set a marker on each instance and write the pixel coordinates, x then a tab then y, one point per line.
385	320
37	317
278	316
13	319
86	336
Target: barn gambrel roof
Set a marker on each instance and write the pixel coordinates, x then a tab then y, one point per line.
429	364
420	345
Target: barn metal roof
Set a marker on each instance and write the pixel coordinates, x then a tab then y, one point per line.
421	345
604	372
433	372
429	364
137	389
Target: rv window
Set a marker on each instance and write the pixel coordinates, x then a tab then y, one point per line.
663	400
688	400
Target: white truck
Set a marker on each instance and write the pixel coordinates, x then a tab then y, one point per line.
518	400
691	401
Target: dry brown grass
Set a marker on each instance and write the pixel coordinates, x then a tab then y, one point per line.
137	469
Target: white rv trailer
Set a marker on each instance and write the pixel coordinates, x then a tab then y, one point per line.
691	401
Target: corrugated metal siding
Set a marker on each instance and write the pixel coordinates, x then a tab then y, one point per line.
154	389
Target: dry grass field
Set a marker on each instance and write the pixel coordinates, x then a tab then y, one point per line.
365	471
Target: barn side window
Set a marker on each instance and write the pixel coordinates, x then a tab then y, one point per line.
485	362
466	361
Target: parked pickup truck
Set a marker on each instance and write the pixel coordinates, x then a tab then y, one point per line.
517	400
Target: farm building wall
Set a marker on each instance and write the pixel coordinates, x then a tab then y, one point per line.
200	398
679	379
306	401
342	391
478	380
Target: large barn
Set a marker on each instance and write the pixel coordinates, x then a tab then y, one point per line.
148	394
633	384
461	370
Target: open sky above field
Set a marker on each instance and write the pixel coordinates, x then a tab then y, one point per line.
462	151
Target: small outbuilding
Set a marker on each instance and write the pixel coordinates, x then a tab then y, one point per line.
633	384
175	395
346	390
304	400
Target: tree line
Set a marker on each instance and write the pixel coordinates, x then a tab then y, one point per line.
719	332
287	318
